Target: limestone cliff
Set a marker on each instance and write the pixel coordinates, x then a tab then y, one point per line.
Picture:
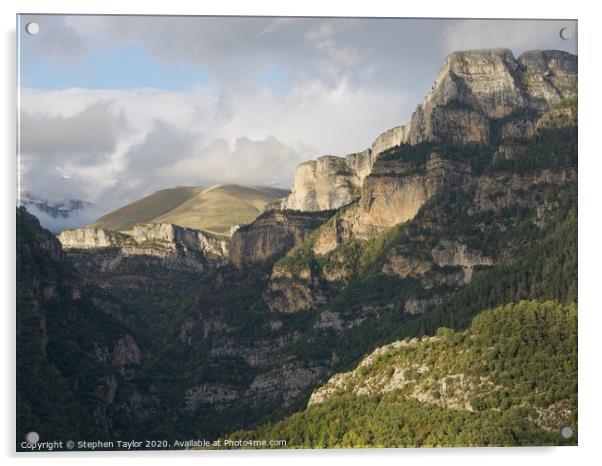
473	91
392	194
91	238
174	246
474	88
324	184
271	234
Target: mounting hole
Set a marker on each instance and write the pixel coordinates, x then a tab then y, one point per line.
566	432
566	33
32	28
32	437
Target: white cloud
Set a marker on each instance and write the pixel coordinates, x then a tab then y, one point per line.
93	132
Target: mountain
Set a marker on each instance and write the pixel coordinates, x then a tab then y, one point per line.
58	209
216	209
478	96
57	215
431	234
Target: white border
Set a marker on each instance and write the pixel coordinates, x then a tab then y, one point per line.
590	170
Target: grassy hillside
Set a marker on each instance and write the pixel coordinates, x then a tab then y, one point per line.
509	379
215	208
147	208
218	208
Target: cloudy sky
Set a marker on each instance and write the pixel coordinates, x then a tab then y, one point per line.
113	108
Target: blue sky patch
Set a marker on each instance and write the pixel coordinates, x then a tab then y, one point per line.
123	68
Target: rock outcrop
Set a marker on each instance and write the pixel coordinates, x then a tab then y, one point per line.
166	235
392	194
324	184
293	289
174	246
476	87
92	238
472	90
271	234
176	237
390	138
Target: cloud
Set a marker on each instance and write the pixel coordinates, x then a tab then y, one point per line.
518	35
93	132
322	38
249	162
162	146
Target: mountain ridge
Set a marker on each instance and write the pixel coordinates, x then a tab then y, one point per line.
472	91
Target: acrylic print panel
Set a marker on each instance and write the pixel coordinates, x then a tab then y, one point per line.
262	232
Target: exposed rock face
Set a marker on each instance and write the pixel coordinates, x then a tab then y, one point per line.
472	89
392	194
272	234
404	266
324	184
211	394
293	290
477	86
361	164
456	254
174	246
91	238
174	237
420	306
453	253
518	128
549	77
495	192
126	352
167	235
284	383
390	138
389	197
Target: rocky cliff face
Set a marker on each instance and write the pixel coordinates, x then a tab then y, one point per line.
476	87
324	184
271	234
91	238
172	245
175	237
393	193
472	91
401	183
390	138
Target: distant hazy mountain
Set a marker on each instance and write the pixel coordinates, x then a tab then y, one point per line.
56	209
56	215
214	208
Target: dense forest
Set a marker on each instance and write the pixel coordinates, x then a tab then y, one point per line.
509	379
